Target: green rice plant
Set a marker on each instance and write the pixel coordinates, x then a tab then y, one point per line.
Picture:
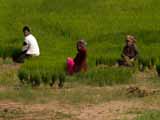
3	53
44	74
143	63
35	78
46	77
15	52
149	115
54	77
105	76
147	62
8	51
24	75
100	61
158	69
152	62
106	60
62	78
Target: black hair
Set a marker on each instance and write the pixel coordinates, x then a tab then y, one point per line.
26	28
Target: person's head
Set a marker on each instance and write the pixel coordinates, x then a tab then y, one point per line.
130	40
26	30
81	44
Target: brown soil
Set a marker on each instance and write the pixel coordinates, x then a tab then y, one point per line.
114	110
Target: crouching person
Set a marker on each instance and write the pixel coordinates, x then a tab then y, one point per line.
30	47
78	64
130	52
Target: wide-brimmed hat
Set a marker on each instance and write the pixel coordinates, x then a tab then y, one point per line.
131	38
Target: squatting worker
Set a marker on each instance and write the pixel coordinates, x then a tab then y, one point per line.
79	63
30	46
130	52
80	59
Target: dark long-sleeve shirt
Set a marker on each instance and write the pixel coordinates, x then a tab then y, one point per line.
130	51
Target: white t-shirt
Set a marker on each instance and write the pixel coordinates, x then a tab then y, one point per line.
31	46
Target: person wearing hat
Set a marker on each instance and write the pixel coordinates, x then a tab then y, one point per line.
79	63
130	52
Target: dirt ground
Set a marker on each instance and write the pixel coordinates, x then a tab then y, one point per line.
114	110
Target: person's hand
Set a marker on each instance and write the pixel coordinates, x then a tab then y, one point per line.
132	60
126	58
128	61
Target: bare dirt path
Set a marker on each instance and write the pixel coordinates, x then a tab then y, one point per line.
114	110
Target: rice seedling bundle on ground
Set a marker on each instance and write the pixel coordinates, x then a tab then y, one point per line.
39	73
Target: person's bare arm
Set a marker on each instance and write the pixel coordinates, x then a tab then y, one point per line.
25	46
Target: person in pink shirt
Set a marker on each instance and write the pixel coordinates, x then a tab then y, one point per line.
79	63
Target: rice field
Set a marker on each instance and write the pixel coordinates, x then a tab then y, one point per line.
59	24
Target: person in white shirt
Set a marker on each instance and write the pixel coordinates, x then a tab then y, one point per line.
30	46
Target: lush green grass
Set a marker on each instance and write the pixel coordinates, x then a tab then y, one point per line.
103	76
59	24
76	95
150	115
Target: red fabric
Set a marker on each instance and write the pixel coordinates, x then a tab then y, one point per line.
80	60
